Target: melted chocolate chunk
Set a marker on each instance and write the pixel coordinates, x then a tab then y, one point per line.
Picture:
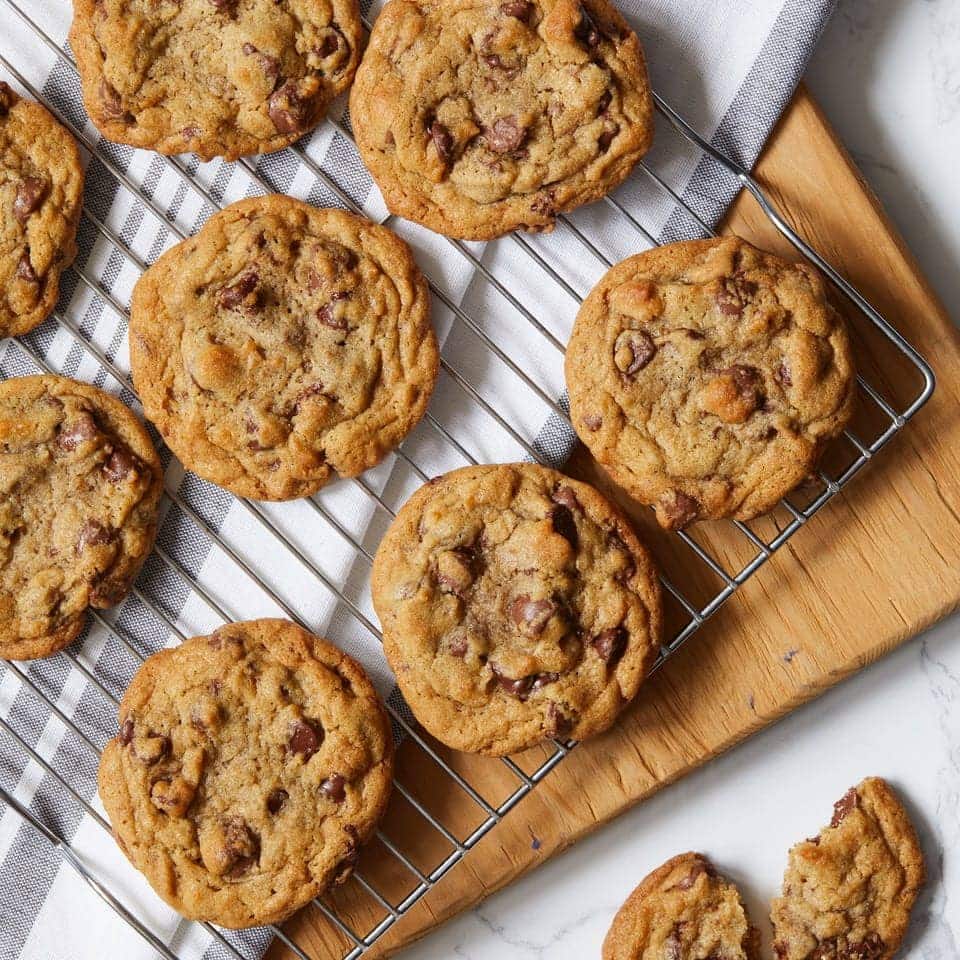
276	800
505	136
442	140
680	509
520	9
610	644
78	431
241	293
289	112
126	731
30	194
93	534
531	614
120	464
333	787
844	806
305	738
633	350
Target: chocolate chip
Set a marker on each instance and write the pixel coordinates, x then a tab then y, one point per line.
120	464
610	644
276	800
305	738
442	140
844	806
734	295
872	947
559	723
241	293
604	102
455	571
747	380
518	688
30	194
566	497
225	6
679	509
111	104
780	949
699	868
586	30
191	132
505	136
25	269
93	534
632	351
532	614
270	65
333	787
328	46
607	137
459	646
541	680
782	376
78	431
593	422
126	731
7	98
330	316
289	112
563	523
520	9
241	848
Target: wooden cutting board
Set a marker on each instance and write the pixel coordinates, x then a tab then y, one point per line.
881	563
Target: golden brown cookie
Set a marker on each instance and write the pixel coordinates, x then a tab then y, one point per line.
684	910
249	768
517	605
220	78
708	376
78	513
848	892
283	345
478	117
41	194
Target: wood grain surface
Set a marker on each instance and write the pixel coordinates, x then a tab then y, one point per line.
878	565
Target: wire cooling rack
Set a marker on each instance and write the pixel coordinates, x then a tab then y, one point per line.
493	789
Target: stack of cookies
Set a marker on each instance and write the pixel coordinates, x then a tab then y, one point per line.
284	346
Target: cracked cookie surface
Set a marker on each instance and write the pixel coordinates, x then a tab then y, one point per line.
517	605
41	194
78	515
848	892
481	117
283	345
683	910
249	767
216	77
708	376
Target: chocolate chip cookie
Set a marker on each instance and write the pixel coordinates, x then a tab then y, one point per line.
220	78
249	767
684	910
708	376
283	345
478	117
517	605
80	485
847	893
41	193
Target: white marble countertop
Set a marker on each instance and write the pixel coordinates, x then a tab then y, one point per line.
888	75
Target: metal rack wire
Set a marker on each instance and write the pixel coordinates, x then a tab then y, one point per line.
521	776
